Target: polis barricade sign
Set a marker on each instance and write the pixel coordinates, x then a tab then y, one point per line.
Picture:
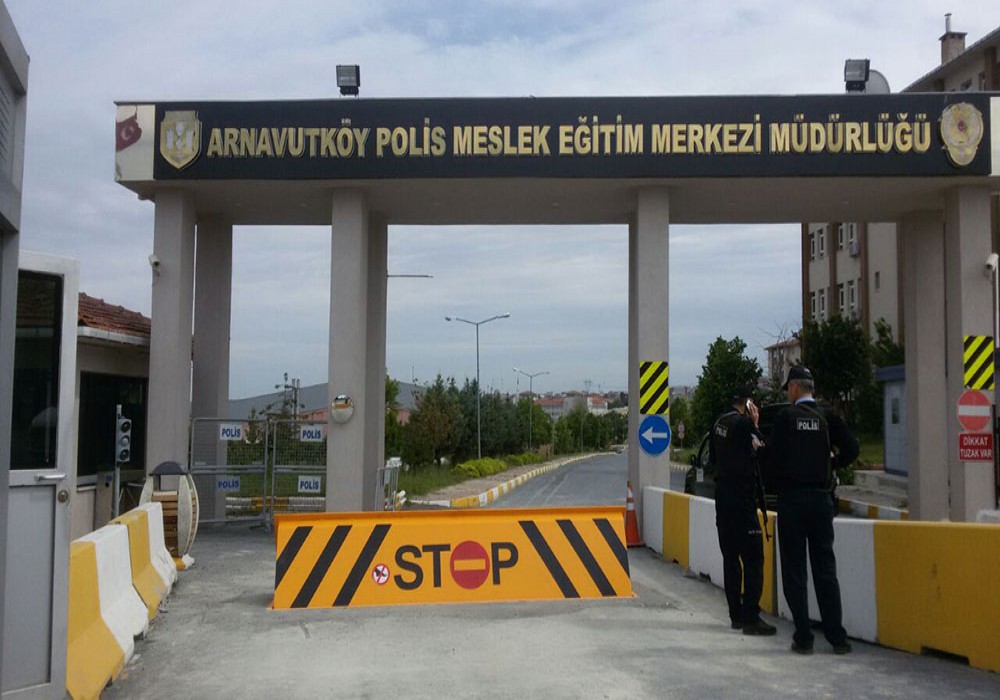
353	559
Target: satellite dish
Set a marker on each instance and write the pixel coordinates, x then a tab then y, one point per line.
877	84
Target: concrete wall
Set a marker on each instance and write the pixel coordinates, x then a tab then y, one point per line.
883	298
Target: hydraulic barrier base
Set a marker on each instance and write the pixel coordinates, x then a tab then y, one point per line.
351	559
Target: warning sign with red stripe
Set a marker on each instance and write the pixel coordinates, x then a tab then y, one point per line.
974	410
350	559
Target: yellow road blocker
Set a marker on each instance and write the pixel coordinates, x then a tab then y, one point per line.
352	559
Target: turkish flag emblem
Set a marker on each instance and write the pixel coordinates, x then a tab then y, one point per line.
127	132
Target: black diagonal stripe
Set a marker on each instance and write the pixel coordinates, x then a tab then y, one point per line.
643	366
549	559
656	375
360	569
970	340
984	369
650	401
608	530
322	565
587	558
288	554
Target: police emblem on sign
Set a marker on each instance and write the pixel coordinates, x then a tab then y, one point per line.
180	138
961	130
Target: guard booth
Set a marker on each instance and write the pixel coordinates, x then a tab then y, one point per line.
930	162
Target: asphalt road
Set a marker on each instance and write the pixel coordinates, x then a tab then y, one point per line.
598	481
672	640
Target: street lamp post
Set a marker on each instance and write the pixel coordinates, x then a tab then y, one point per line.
477	324
531	403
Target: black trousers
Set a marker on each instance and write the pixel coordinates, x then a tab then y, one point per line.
742	552
806	517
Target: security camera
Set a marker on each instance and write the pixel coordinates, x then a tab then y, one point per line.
154	262
991	263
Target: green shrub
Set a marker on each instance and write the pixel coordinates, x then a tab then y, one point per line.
487	466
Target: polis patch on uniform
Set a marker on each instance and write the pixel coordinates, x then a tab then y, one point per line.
352	559
810	424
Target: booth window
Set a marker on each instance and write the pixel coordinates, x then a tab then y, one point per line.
99	396
35	399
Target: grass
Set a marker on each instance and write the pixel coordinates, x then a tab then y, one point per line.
418	482
872	451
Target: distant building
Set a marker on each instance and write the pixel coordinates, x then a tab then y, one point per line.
781	356
852	268
311	403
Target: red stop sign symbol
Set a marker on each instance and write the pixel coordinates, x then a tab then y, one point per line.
470	565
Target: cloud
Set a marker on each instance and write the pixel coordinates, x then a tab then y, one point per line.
566	287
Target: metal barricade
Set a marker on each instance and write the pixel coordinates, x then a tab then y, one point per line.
385	485
228	461
298	479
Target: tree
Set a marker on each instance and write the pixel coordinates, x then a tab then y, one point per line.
432	428
839	355
726	368
886	352
393	430
680	412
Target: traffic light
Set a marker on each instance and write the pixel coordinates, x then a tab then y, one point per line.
123	440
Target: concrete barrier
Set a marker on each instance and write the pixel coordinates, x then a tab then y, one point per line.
705	557
936	587
93	657
652	518
676	527
159	555
104	614
145	576
853	546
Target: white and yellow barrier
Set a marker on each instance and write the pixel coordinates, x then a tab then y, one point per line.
905	584
108	569
146	577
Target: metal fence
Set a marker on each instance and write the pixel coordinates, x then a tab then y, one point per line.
228	462
386	497
298	479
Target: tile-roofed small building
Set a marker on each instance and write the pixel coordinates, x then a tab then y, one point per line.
99	315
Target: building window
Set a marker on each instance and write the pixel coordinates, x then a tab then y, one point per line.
852	298
840	236
812	304
852	234
812	245
878	280
822	242
841	298
822	304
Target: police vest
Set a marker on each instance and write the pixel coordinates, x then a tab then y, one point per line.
808	461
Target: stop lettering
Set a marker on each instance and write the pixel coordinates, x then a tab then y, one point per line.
470	565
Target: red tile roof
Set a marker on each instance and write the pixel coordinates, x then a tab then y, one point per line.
98	314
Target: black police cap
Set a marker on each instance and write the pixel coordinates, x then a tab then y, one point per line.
796	373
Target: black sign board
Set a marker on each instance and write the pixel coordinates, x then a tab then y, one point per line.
606	137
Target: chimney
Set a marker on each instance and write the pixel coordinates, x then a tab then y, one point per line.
952	43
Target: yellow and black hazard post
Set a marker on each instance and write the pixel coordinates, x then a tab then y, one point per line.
353	559
654	388
978	362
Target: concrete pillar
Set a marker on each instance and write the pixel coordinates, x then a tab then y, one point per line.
378	248
170	337
928	413
348	366
969	311
212	315
648	332
8	324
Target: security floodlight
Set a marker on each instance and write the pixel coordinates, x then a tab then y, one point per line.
348	79
856	72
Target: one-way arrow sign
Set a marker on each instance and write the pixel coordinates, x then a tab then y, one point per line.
654	435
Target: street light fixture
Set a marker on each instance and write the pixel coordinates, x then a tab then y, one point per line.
477	324
531	403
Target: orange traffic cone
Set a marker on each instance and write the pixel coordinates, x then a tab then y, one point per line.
632	538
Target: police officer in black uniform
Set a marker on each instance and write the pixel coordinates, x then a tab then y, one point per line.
733	442
803	442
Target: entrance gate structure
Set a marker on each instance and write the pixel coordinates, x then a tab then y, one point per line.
299	480
930	162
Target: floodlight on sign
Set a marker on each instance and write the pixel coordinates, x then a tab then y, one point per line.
856	71
348	79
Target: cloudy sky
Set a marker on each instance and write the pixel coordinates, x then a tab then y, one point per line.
565	287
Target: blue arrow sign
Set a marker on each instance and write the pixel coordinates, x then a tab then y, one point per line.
654	435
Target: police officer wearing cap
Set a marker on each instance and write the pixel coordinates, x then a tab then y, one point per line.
733	441
803	441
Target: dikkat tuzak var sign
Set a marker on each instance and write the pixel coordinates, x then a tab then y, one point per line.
661	137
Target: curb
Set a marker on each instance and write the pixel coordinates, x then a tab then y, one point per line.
871	511
486	497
